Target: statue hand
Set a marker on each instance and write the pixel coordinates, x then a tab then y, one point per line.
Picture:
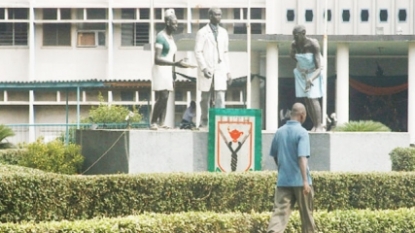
308	85
207	73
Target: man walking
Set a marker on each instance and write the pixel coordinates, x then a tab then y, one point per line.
291	150
211	51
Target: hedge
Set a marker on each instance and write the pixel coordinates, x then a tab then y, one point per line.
362	221
45	196
403	159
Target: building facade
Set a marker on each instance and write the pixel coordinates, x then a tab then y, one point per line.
111	41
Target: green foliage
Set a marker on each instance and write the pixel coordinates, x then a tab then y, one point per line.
105	113
362	126
53	156
403	159
49	196
5	132
11	156
362	221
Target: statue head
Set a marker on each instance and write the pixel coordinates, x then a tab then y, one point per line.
299	33
170	20
215	15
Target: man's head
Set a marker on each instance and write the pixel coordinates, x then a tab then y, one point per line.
170	19
215	15
299	33
298	112
193	104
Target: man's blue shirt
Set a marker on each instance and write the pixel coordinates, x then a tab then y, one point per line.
290	142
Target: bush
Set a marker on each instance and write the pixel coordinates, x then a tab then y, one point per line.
53	156
105	113
362	126
362	221
48	196
403	159
11	156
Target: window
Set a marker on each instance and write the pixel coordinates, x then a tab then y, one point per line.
346	15
14	34
55	34
50	13
203	13
240	28
328	15
91	34
383	15
402	15
133	34
96	13
290	15
309	15
364	15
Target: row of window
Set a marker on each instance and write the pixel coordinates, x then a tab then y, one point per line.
364	15
91	34
142	13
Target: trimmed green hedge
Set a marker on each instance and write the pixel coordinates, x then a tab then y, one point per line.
46	196
362	221
403	159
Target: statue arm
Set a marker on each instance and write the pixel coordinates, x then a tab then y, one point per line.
199	45
293	51
317	59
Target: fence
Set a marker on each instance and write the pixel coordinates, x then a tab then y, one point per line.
66	132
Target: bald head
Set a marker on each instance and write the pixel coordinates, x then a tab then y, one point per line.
298	112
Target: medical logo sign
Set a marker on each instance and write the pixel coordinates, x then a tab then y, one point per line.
234	140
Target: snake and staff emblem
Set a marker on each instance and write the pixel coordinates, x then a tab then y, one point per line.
234	139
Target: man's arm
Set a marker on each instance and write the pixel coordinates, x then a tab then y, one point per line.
302	162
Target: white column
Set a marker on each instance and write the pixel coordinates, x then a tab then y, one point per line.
32	134
342	84
255	92
272	87
411	91
32	75
110	64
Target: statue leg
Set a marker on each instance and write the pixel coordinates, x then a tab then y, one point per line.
204	108
160	106
314	110
220	99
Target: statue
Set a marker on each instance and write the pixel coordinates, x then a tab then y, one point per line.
307	74
211	52
165	50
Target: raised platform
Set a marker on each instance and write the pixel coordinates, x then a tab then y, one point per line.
147	151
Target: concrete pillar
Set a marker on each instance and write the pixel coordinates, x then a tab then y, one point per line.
255	91
411	91
342	84
272	87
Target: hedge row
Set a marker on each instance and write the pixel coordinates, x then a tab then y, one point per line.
362	221
45	196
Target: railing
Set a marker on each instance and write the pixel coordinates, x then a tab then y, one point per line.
65	132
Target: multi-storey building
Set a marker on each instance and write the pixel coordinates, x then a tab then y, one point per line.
53	49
